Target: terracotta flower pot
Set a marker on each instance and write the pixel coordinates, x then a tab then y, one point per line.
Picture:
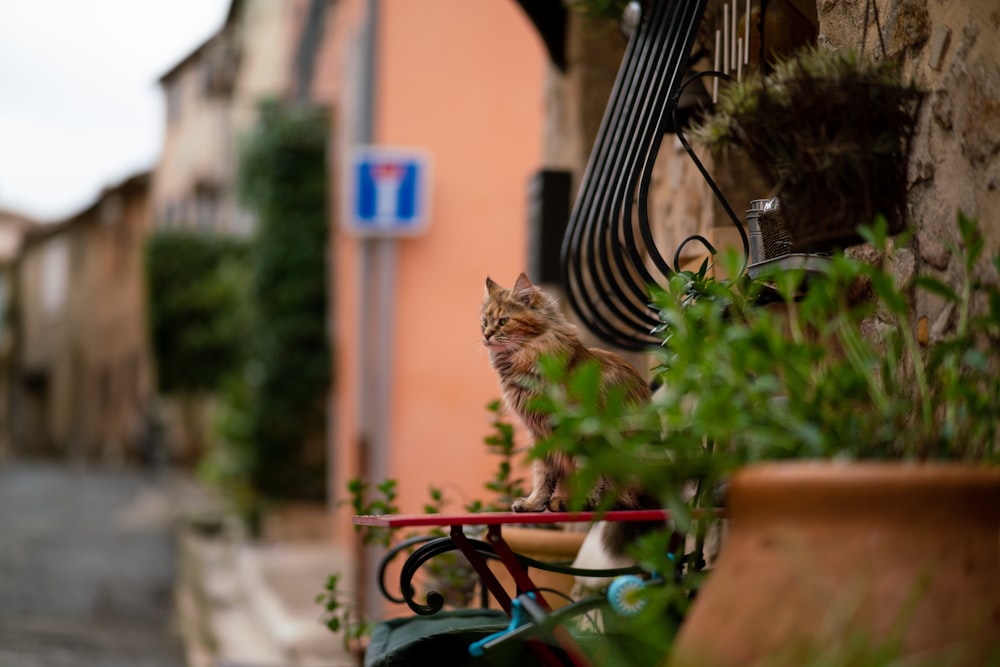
842	561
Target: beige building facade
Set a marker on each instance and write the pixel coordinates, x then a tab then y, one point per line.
211	98
82	378
13	230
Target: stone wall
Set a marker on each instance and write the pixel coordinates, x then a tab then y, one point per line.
950	50
82	373
575	99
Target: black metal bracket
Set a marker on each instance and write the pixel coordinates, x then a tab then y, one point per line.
708	179
609	251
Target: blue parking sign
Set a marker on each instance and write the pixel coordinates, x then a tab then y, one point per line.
387	191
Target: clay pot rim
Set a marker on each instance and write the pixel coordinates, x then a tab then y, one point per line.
795	487
835	471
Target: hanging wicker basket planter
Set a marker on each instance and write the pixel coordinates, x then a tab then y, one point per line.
833	133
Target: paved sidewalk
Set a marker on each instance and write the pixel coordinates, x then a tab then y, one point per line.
246	604
123	568
86	567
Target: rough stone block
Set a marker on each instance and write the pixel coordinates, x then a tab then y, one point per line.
940	39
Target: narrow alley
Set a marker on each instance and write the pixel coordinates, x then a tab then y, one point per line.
87	564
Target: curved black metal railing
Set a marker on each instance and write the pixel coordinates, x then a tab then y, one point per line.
610	256
432	546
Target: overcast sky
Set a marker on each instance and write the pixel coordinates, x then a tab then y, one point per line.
80	104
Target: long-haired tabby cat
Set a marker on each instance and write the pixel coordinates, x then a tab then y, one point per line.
520	326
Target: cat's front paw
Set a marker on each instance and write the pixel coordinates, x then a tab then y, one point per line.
527	505
557	504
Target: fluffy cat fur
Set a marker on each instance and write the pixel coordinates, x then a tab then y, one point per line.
519	327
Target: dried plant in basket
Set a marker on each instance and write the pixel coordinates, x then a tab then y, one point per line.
833	133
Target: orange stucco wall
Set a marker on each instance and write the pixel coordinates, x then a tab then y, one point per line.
462	80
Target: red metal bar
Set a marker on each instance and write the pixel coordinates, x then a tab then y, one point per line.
481	567
509	559
501	518
525	585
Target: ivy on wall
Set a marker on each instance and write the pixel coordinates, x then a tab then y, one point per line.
246	320
278	414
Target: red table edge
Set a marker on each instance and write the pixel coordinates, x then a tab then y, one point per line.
494	518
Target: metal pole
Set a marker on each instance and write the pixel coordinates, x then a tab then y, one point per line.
375	321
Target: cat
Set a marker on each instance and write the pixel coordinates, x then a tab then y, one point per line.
519	327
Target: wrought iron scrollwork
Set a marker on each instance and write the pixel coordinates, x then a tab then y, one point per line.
432	547
708	179
610	256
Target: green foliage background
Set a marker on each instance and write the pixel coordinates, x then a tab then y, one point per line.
247	318
276	413
197	313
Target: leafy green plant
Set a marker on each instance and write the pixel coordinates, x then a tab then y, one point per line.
504	486
835	369
448	573
339	611
364	502
196	308
340	614
275	416
197	316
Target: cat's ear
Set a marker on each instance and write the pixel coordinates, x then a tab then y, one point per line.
523	291
491	287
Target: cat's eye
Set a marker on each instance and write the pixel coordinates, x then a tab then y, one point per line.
504	321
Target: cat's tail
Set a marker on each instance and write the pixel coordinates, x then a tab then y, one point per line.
619	535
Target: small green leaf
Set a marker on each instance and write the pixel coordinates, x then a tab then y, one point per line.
884	287
974	358
877	234
972	239
680	512
935	286
585	385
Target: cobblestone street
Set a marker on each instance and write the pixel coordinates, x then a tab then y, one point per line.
87	566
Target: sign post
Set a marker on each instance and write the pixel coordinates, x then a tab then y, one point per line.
387	192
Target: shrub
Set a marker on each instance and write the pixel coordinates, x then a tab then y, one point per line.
196	311
277	406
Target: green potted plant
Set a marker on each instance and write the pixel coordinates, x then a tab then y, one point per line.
860	458
832	132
